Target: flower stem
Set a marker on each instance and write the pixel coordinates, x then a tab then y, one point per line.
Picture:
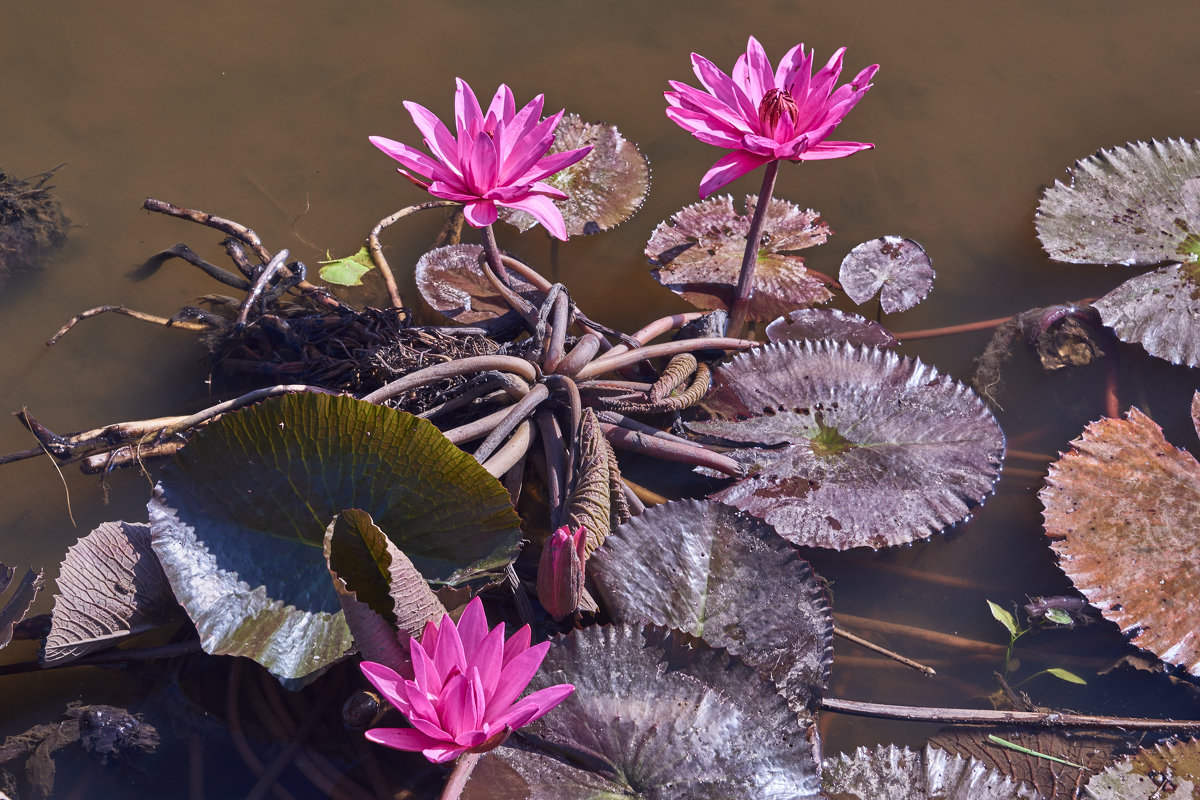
745	285
492	251
463	768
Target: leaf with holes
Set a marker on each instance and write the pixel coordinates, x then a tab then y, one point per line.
1122	511
698	255
110	586
655	714
604	189
851	447
892	773
238	520
830	323
714	572
452	282
897	268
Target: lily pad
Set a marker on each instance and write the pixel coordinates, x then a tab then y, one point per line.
1160	311
830	323
239	517
698	255
604	189
892	773
854	447
1166	770
110	586
14	609
1122	511
655	714
728	578
1138	204
451	281
897	268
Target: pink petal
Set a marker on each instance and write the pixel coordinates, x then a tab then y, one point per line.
792	63
503	106
456	707
482	166
701	126
429	637
723	116
555	163
410	157
448	653
722	87
523	152
448	191
826	77
472	628
480	214
386	680
488	659
533	707
437	136
425	672
544	211
516	644
516	676
754	73
827	150
728	169
436	750
467	114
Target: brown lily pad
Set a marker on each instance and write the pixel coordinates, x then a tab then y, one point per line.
1167	771
897	268
452	282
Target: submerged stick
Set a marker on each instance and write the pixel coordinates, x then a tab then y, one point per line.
861	642
971	716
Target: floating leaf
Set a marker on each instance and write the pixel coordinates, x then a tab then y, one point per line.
713	572
655	714
865	448
17	606
892	773
1166	771
1122	511
830	323
239	518
1138	204
110	586
451	281
348	271
1066	675
897	268
1160	311
698	255
604	189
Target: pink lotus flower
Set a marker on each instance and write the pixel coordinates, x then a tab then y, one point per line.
765	115
463	696
497	159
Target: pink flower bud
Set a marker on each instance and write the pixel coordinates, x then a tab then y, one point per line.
560	572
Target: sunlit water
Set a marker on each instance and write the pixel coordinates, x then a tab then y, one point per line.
260	112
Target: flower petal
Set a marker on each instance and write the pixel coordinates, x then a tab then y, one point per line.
827	150
408	156
448	655
530	708
435	750
544	211
728	169
472	628
516	676
437	136
468	117
389	683
480	213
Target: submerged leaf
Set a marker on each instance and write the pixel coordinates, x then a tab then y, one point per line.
655	714
1138	204
897	268
1167	771
892	773
604	189
110	586
698	255
713	572
1160	311
452	282
17	605
239	519
1122	512
864	448
348	271
830	323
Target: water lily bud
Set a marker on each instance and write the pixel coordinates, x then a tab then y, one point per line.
776	104
560	573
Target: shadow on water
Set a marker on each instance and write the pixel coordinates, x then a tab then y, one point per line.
260	113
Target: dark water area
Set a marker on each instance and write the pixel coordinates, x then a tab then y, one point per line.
261	112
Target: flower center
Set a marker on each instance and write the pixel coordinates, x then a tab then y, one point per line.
774	105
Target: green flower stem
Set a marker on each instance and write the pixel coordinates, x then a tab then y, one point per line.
376	249
745	285
463	767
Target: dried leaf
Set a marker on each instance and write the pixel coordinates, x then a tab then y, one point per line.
110	586
17	606
892	773
596	501
1122	511
452	282
698	255
1167	770
897	268
830	323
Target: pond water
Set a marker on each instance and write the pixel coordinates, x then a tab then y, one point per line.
260	113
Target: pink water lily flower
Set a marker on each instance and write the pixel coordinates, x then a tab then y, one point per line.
495	159
765	115
466	681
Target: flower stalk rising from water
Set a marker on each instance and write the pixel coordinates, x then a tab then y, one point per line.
463	697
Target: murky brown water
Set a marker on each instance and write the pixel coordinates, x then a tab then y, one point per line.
260	112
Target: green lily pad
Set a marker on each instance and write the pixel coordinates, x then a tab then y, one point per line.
238	520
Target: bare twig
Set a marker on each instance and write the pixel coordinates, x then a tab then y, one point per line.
861	642
182	325
376	249
1037	719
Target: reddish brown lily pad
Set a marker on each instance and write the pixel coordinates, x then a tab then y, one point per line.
452	282
897	268
698	255
830	323
1122	511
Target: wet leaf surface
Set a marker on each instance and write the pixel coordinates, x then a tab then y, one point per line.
728	578
239	518
863	448
1137	204
892	773
1122	511
14	609
604	189
698	255
110	586
1167	771
1160	311
897	268
830	323
655	714
451	281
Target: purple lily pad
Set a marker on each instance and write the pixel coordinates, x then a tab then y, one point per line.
1138	204
897	268
698	255
452	282
830	323
604	189
863	448
892	773
706	569
1160	311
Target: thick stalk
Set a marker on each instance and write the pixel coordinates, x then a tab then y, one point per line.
450	369
516	414
512	452
681	451
463	768
609	363
745	284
